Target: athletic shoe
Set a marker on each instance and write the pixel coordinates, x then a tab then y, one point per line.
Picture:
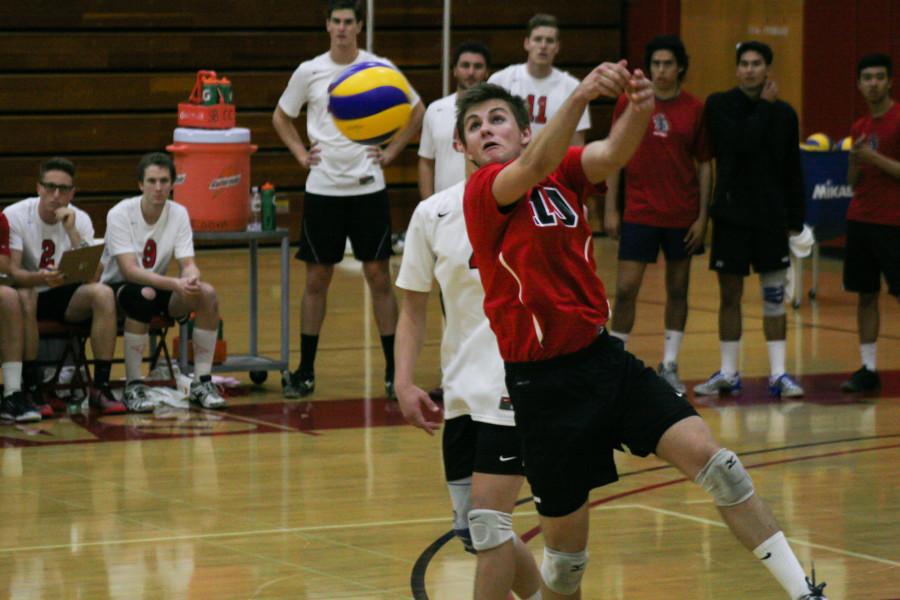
861	381
669	372
719	384
785	386
206	394
136	400
37	399
17	408
816	591
295	385
102	399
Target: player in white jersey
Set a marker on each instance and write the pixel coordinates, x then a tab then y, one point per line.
345	193
482	457
41	229
440	166
543	87
143	235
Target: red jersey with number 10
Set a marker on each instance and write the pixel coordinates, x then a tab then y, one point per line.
536	262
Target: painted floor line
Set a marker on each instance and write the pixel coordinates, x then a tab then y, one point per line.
258	532
796	541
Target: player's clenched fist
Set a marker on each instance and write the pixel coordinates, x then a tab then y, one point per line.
640	91
607	79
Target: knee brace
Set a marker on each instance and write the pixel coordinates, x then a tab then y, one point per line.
772	285
489	528
138	301
725	478
562	571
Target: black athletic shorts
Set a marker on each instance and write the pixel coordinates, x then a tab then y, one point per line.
574	410
52	303
158	306
735	249
872	250
472	446
329	220
642	243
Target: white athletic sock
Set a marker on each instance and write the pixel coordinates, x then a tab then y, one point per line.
779	559
204	348
12	378
729	352
776	358
619	335
134	354
868	354
671	346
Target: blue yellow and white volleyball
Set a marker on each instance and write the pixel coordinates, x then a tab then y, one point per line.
817	142
845	143
370	102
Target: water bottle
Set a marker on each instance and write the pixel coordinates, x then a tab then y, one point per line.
268	207
255	223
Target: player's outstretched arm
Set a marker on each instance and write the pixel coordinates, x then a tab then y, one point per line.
413	401
604	157
546	152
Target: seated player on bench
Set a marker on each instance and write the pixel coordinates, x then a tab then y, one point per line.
41	229
143	234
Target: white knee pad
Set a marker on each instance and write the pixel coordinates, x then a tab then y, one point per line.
489	528
725	478
562	571
772	285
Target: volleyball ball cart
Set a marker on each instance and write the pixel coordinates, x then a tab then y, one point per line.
212	163
827	196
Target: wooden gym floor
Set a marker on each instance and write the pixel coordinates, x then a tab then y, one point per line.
333	497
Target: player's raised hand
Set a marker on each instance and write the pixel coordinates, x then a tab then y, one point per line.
607	79
414	402
640	91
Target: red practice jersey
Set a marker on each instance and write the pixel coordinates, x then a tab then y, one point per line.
876	195
661	185
536	262
4	235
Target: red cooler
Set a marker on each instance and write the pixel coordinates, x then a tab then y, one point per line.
213	181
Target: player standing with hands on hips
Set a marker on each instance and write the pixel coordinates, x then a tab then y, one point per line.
345	193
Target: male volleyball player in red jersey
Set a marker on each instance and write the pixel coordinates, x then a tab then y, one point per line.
577	394
667	189
873	217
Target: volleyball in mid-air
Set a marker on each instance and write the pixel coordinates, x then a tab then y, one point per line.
817	142
845	144
370	102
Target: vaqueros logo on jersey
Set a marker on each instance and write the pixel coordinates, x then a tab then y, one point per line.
660	125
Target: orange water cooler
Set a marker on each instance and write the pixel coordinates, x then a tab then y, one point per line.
213	176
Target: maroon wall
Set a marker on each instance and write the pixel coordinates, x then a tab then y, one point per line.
836	34
644	20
